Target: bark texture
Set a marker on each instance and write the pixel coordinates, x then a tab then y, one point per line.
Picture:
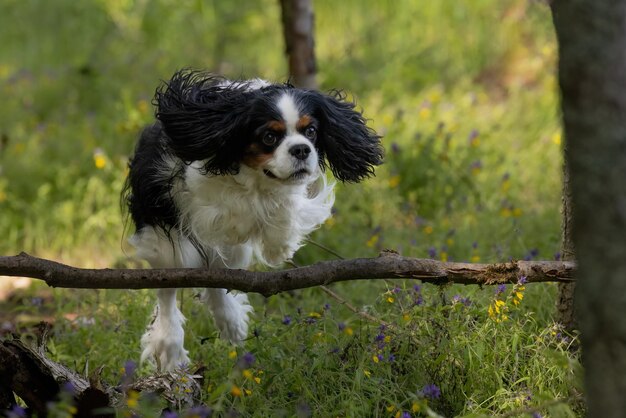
565	303
388	265
592	77
26	371
298	24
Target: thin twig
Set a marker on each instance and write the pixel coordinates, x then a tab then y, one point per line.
351	307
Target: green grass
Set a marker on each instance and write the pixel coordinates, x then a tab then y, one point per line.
465	96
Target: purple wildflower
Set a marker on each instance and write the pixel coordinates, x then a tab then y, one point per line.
246	361
522	280
286	320
129	368
395	148
169	414
68	387
500	289
432	252
201	411
473	134
341	326
392	358
557	256
406	414
327	306
537	415
379	337
474	245
16	412
431	391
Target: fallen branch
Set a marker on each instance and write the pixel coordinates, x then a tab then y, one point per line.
26	371
388	265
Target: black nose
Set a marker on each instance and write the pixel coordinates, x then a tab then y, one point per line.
301	151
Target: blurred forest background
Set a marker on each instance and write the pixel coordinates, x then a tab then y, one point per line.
464	93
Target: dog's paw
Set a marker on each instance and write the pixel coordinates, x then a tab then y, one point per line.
232	316
163	346
274	256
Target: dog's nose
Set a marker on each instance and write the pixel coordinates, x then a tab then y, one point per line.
300	151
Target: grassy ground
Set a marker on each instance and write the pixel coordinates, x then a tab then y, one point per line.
465	96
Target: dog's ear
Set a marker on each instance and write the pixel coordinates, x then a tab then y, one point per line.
351	148
203	117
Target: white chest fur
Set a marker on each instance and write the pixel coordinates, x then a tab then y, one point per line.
248	209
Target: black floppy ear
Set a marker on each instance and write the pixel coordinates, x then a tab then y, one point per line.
351	148
203	116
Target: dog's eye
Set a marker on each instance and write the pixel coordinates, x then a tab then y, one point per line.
310	132
270	138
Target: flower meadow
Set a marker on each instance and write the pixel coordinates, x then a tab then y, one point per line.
465	97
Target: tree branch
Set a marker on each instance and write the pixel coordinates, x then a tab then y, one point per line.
388	265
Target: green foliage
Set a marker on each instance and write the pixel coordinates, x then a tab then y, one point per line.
465	96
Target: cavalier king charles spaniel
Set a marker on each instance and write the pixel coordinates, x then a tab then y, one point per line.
230	173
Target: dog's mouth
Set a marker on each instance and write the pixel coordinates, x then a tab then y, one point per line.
296	175
269	174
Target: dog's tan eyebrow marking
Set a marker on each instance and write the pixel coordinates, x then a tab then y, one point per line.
255	157
303	122
276	125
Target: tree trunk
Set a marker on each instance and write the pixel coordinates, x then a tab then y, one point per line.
565	304
298	19
592	76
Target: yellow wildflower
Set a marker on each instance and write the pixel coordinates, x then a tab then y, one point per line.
394	181
425	113
375	358
415	407
247	374
235	391
232	354
475	258
372	241
390	299
133	399
428	229
99	160
348	330
257	380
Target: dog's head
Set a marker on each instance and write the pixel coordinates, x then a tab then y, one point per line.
281	132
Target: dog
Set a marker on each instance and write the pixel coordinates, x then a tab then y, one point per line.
231	173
